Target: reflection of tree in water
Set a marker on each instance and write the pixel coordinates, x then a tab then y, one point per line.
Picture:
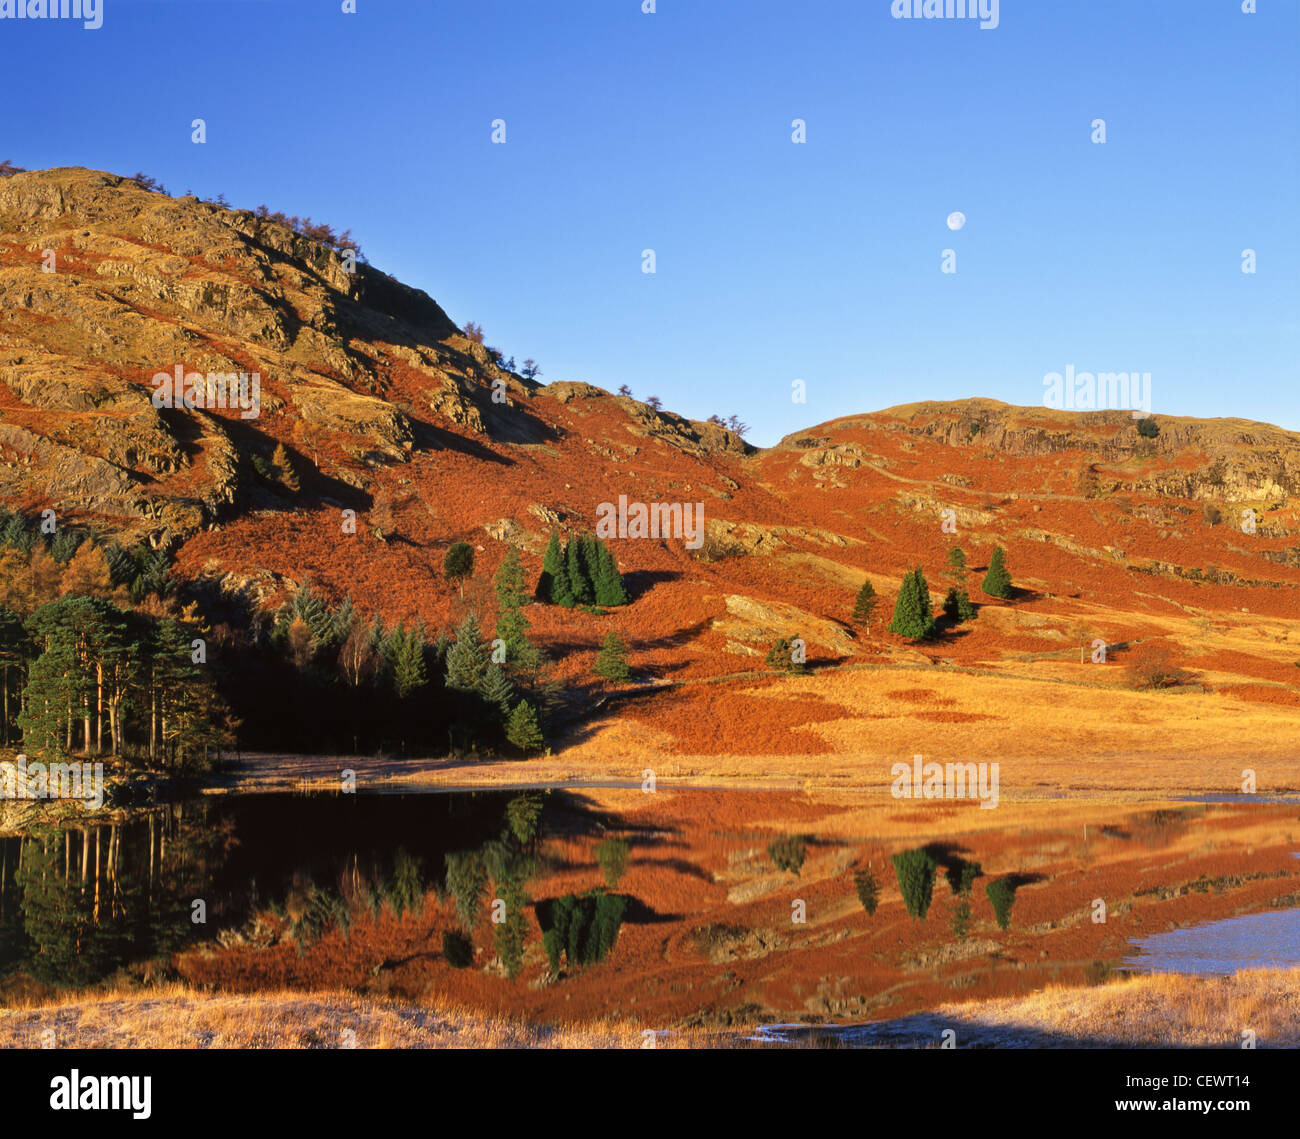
76	903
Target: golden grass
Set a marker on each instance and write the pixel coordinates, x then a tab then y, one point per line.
1153	1011
1167	1009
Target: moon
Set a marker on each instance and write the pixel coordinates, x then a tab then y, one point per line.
956	220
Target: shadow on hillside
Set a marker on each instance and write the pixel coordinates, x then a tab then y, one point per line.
636	912
673	640
680	865
431	438
639	582
252	489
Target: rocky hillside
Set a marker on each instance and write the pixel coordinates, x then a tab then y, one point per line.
105	284
373	401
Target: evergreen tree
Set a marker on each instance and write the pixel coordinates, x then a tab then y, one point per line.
611	857
467	882
1001	893
467	660
611	661
523	817
509	580
512	625
610	590
865	605
868	889
916	871
957	564
15	650
579	583
997	582
65	545
553	584
458	564
120	564
788	656
522	730
497	690
509	936
912	614
409	674
589	556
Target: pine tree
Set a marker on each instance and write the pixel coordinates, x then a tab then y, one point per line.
508	937
496	689
950	604
997	582
865	605
957	605
912	614
509	580
522	730
957	563
15	651
458	564
548	584
409	673
579	583
467	660
512	625
611	661
915	870
589	555
610	590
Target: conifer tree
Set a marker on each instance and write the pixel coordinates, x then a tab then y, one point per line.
912	614
916	871
88	573
284	468
611	661
512	625
509	580
865	605
522	729
578	581
497	690
458	564
15	650
997	582
610	590
467	660
589	556
553	575
409	673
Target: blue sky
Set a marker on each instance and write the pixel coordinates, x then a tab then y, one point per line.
775	261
